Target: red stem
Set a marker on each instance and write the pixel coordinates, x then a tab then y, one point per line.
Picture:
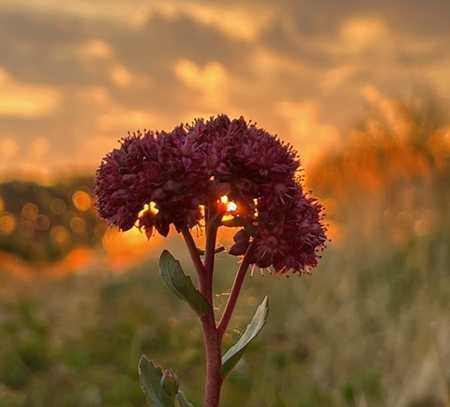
211	337
236	289
210	251
195	256
213	355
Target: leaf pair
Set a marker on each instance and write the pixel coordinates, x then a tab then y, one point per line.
161	389
182	285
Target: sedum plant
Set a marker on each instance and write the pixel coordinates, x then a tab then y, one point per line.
211	174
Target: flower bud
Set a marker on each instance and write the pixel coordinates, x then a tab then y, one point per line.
238	249
241	236
169	382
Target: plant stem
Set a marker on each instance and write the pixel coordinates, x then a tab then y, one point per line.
210	251
236	289
211	337
201	272
212	344
212	334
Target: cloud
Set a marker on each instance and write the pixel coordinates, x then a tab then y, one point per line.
8	149
338	76
95	49
307	131
25	100
210	81
120	76
360	33
237	22
122	120
93	70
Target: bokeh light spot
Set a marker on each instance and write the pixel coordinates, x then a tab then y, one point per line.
30	211
7	223
59	235
78	225
58	206
82	201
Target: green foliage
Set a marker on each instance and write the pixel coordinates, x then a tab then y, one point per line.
161	388
174	277
182	400
369	328
234	354
151	378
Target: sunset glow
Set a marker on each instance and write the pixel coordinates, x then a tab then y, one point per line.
256	164
256	59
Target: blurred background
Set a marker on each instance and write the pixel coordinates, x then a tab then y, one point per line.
361	88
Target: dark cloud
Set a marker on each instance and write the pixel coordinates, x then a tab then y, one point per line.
36	47
163	40
279	37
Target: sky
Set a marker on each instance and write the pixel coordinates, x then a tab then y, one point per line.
76	76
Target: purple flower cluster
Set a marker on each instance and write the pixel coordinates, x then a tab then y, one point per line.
148	168
195	165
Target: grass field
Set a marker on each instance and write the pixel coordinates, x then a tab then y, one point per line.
370	327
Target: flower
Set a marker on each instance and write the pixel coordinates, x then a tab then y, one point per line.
289	237
240	172
242	155
148	168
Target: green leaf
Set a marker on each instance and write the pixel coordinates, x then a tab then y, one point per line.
182	400
234	354
180	284
161	388
152	380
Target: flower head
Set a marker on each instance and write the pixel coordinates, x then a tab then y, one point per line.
237	170
148	168
289	237
243	155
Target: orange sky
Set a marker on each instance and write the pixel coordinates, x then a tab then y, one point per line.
76	76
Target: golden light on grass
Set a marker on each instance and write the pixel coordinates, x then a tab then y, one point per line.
125	248
424	224
82	201
76	260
